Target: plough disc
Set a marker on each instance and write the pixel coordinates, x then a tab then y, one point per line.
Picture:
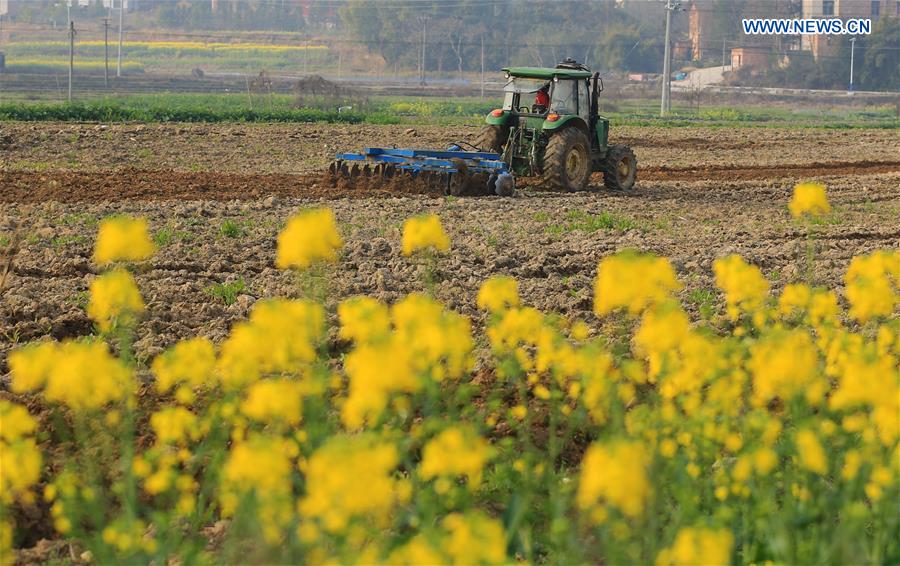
451	172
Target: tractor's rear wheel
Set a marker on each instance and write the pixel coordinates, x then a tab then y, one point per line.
567	160
619	168
492	138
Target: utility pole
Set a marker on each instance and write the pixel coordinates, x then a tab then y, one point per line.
121	21
666	104
106	51
424	34
852	47
482	67
71	56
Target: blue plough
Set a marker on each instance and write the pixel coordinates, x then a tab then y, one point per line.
456	172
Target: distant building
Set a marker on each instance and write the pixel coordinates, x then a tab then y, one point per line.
700	24
825	45
708	24
750	57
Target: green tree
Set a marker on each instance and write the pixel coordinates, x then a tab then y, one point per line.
880	69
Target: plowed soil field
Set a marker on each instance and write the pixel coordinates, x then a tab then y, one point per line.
217	195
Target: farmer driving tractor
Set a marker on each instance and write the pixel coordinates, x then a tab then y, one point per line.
542	99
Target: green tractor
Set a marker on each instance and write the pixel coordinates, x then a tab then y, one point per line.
549	126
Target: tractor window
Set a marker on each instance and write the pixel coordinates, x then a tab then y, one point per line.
564	98
508	100
584	101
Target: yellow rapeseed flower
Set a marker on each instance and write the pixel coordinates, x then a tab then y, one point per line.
114	299
784	364
462	539
274	400
189	361
498	293
20	463
376	372
31	365
121	238
363	319
82	375
809	198
280	337
173	425
261	466
744	285
873	285
812	455
694	546
439	340
614	473
423	232
474	538
309	236
350	477
456	451
632	281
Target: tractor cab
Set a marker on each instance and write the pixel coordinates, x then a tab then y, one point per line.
549	125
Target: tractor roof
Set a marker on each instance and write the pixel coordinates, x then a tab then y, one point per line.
546	73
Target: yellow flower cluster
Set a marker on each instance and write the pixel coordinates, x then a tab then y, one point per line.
114	300
121	238
186	365
744	285
280	337
424	232
309	237
456	451
809	199
498	293
82	375
259	469
632	281
472	538
615	475
388	444
20	459
349	478
424	341
784	364
873	285
692	546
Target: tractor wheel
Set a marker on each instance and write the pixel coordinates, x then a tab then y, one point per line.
567	160
619	168
492	138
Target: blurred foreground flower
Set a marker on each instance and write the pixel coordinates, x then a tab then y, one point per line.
122	238
498	292
457	451
698	546
114	298
744	285
424	232
309	237
633	281
614	474
20	464
873	285
809	199
82	375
